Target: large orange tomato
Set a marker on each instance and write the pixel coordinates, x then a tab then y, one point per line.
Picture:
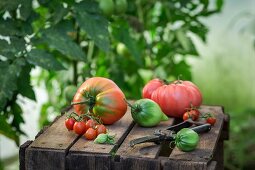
102	97
173	98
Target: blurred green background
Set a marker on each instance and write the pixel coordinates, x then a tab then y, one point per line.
46	48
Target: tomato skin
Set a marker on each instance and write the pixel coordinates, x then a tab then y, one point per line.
90	124
211	120
176	97
104	97
69	123
192	114
79	128
90	134
101	129
150	87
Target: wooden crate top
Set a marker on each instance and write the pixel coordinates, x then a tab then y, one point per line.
56	138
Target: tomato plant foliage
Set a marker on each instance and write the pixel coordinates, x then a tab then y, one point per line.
73	40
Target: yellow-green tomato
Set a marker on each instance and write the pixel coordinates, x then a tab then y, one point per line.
147	113
186	139
122	50
107	7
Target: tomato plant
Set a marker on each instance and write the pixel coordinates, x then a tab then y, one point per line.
102	97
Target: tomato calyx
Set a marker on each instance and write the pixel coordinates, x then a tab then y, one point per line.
135	108
90	100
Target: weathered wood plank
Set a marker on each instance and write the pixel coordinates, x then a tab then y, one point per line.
91	154
144	150
208	141
131	163
168	164
49	149
56	136
22	150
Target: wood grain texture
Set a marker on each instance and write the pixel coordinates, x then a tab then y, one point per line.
89	155
208	141
44	159
183	165
22	153
56	136
144	150
128	163
119	129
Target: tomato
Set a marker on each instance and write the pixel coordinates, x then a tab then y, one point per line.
107	7
90	134
211	120
79	128
186	139
150	87
192	114
120	6
122	50
101	129
175	97
69	123
90	124
147	113
69	92
102	97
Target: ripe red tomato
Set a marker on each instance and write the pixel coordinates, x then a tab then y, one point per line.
103	97
150	87
174	98
91	134
191	114
90	124
79	128
101	129
69	123
211	120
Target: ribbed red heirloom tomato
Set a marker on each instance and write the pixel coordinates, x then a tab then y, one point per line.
176	97
102	97
151	86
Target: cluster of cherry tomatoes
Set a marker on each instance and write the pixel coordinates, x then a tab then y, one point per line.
90	128
194	114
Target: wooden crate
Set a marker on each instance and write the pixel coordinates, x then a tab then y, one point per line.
55	148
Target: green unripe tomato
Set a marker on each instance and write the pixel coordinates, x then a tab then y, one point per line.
120	6
147	113
69	92
122	50
186	139
107	7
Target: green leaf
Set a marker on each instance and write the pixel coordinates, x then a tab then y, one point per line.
122	34
16	111
9	79
24	87
219	4
64	44
10	5
6	130
7	27
95	25
25	9
182	68
43	59
59	13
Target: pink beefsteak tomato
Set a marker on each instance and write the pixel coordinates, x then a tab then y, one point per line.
174	98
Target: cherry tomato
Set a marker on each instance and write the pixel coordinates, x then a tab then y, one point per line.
79	128
211	120
91	124
188	115
91	134
69	123
101	129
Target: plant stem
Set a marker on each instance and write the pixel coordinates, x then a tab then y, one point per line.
75	63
